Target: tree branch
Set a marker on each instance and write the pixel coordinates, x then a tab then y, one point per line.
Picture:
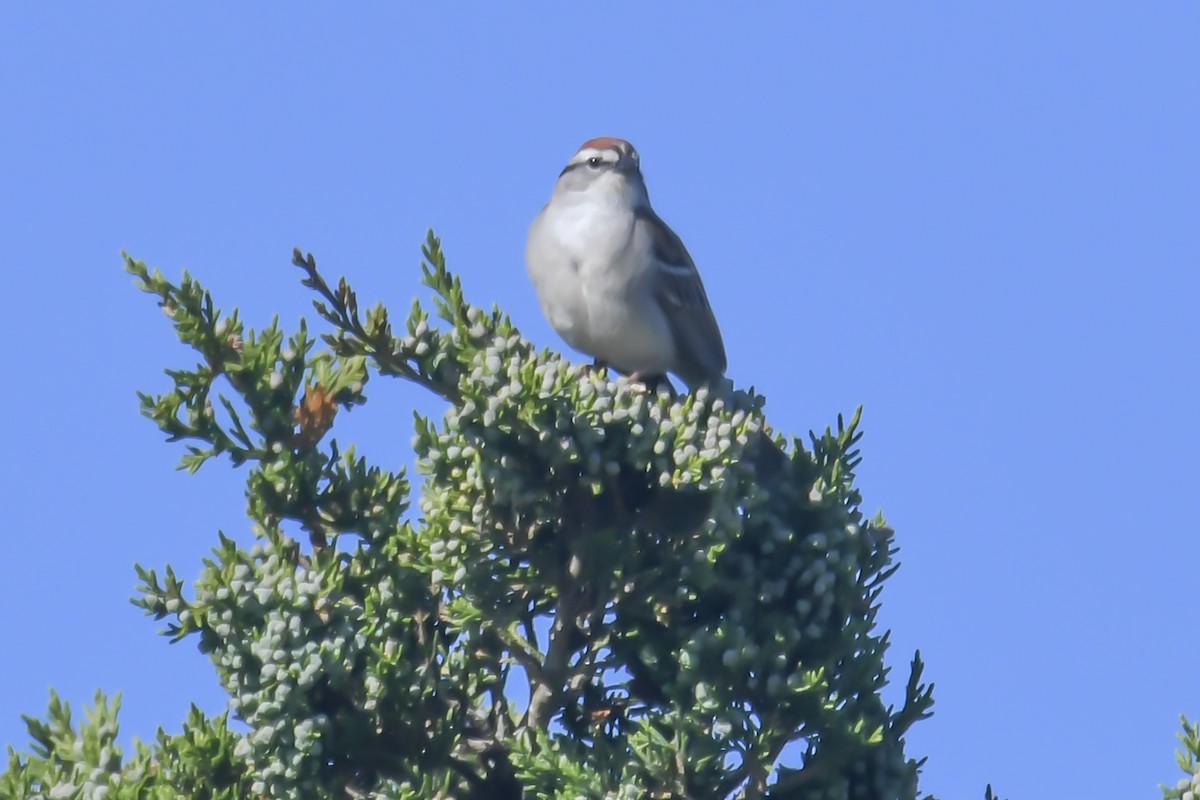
342	313
547	691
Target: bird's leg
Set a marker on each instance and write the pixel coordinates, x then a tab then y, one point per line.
599	364
652	382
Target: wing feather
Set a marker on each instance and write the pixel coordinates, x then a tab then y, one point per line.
680	293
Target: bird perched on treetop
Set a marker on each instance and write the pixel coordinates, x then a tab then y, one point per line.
614	280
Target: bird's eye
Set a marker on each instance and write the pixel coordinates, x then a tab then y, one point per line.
595	161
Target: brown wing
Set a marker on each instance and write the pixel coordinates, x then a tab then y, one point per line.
681	295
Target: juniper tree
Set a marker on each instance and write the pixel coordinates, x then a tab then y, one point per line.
1188	758
599	591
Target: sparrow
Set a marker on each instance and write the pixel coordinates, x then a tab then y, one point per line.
614	280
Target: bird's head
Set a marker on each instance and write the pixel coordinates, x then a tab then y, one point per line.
607	166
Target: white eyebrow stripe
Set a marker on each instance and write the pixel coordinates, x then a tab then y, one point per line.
607	154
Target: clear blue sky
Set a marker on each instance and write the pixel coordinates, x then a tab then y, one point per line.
982	221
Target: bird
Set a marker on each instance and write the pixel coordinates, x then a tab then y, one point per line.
614	281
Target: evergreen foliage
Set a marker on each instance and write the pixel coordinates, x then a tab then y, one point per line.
602	593
1188	758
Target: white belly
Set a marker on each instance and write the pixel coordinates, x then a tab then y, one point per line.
595	292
